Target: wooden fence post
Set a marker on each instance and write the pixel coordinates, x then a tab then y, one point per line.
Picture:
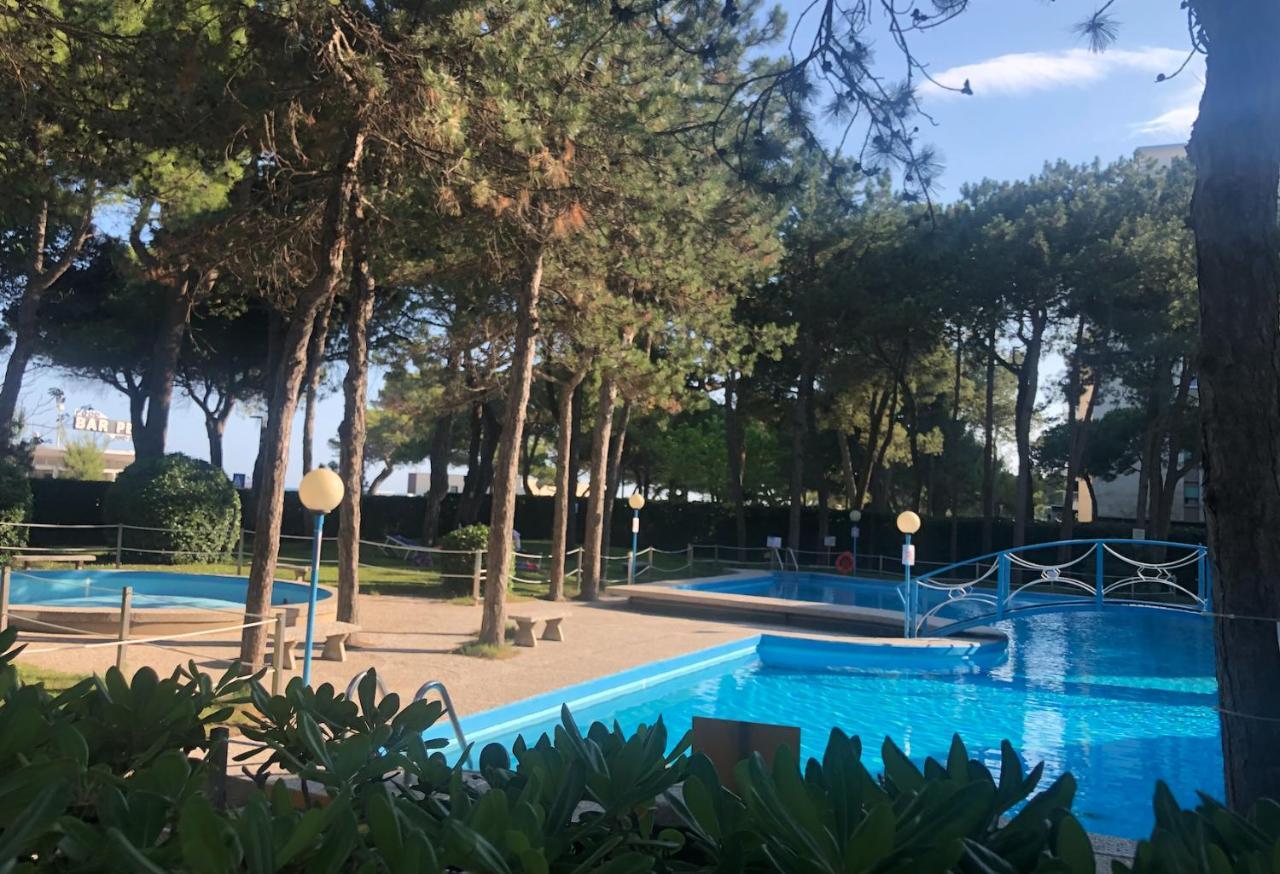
126	615
119	544
475	575
216	776
277	655
690	551
6	579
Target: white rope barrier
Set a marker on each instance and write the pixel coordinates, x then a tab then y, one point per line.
151	640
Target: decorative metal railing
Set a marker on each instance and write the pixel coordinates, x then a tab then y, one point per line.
1087	574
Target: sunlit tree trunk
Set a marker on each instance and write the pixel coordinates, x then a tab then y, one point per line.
351	435
503	512
591	540
286	383
566	488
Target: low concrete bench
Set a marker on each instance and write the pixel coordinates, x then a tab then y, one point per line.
79	559
527	624
333	634
300	573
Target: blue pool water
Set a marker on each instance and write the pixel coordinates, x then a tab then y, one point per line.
101	588
818	588
1120	698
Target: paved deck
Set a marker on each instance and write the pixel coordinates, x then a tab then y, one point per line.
412	640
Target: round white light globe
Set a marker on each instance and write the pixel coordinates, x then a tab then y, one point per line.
636	501
855	515
320	490
908	522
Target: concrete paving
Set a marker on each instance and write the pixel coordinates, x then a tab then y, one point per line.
412	640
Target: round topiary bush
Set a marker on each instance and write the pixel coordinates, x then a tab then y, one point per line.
15	504
191	501
456	568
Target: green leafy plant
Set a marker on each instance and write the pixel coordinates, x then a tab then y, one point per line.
1209	839
834	816
115	774
191	504
456	567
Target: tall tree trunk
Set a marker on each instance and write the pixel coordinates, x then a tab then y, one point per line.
735	446
575	466
315	369
884	420
470	482
1024	413
989	447
800	442
352	432
215	426
846	469
503	512
565	485
438	487
1078	421
162	369
286	382
881	404
1236	150
480	476
379	478
40	277
591	540
613	473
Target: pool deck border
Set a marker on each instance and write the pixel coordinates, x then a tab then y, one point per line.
680	598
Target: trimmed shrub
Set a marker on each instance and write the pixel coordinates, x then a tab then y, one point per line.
456	569
15	504
191	500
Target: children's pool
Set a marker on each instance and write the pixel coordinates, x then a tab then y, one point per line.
1119	697
88	601
151	589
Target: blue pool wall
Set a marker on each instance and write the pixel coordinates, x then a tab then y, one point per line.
774	650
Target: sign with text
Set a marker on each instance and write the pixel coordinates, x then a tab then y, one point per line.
92	420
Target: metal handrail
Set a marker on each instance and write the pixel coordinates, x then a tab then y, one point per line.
458	734
355	682
795	562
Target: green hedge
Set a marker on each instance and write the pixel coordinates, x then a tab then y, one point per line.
459	568
15	505
191	499
665	524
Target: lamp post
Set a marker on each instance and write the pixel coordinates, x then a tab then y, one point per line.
636	503
320	492
855	516
908	524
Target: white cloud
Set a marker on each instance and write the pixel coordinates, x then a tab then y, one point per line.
1022	73
1174	123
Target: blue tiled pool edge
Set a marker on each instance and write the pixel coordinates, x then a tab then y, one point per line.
784	651
508	716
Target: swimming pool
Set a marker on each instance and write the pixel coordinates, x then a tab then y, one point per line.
89	600
1120	698
815	588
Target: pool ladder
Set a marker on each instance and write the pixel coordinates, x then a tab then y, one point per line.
423	691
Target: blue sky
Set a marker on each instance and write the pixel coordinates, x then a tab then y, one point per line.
1039	95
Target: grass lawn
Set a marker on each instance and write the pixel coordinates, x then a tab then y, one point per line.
54	681
384	573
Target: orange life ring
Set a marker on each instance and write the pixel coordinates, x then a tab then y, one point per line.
844	562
